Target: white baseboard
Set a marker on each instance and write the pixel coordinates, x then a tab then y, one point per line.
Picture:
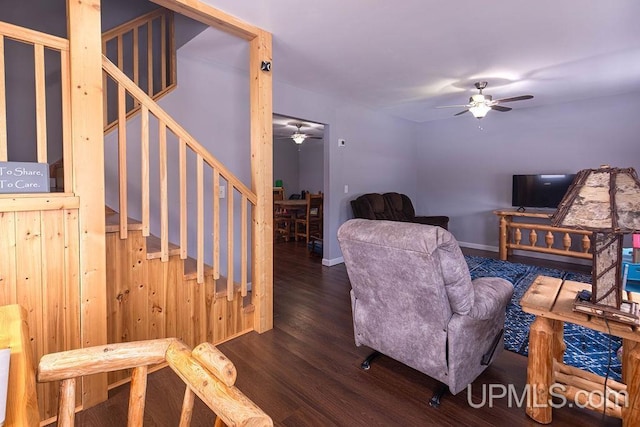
478	246
332	262
530	254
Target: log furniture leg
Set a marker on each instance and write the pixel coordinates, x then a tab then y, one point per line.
631	360
542	346
558	340
627	347
503	239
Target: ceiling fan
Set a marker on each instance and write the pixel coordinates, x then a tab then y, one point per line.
298	137
479	105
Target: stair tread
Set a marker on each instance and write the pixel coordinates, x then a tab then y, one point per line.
112	222
154	251
191	268
154	247
191	273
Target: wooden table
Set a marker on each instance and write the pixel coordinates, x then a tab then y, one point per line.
292	207
551	301
296	204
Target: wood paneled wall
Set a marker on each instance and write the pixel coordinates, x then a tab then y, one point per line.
150	299
39	271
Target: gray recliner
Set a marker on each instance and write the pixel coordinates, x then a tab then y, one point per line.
413	300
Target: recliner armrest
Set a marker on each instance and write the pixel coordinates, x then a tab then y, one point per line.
438	221
492	295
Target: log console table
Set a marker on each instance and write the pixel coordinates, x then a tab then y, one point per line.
511	235
551	301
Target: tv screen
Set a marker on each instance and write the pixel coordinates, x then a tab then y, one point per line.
540	191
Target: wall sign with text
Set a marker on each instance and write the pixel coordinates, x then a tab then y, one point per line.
24	177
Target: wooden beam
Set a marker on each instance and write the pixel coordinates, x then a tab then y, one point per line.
105	358
37	202
85	56
3	105
262	180
215	18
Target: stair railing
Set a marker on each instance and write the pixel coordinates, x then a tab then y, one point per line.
148	107
144	49
42	43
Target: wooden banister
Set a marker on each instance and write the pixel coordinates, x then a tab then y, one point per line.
186	144
155	25
178	130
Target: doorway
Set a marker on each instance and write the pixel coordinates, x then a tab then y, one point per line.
298	162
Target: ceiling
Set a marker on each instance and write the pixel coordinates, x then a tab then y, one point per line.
406	58
284	127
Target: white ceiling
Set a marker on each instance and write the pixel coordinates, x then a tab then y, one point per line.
284	127
408	56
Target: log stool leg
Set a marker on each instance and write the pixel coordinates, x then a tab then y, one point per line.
540	368
627	368
558	340
631	369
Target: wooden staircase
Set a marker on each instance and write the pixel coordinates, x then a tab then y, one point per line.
54	245
150	299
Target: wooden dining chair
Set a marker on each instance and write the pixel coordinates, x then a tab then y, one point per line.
282	219
310	224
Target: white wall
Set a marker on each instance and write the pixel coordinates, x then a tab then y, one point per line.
465	172
311	169
300	167
448	167
379	154
286	165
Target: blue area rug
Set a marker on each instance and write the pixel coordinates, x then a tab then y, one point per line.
586	349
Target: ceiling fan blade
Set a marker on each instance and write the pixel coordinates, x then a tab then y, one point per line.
461	112
453	106
500	108
515	98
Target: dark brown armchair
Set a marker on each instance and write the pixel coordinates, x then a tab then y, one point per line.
392	207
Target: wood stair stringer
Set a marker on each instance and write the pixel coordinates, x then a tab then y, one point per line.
149	299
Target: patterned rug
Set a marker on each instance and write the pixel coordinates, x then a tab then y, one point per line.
586	349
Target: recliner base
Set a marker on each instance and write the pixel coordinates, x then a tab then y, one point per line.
366	364
437	395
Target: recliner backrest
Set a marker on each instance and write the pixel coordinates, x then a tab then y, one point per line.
371	206
400	205
387	255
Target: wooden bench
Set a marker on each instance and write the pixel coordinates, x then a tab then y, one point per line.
206	372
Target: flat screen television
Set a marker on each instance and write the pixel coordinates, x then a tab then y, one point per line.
540	191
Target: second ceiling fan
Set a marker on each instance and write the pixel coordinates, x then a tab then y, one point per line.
480	104
298	137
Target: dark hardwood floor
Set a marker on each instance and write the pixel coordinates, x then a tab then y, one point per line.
306	370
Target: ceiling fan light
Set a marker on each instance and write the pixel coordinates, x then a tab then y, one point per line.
480	110
298	137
